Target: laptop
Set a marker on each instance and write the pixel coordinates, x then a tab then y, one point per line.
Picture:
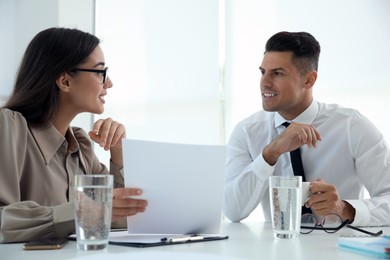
183	184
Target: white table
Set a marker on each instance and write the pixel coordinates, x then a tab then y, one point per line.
249	240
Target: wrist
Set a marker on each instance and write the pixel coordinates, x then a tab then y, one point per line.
270	155
348	212
116	156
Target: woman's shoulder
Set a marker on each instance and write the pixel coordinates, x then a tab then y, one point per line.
14	130
10	117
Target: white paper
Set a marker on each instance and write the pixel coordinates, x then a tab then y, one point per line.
182	183
124	236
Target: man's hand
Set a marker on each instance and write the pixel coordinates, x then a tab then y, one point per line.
293	137
326	200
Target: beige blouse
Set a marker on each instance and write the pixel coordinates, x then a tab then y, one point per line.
37	166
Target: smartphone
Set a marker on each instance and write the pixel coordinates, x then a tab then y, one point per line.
46	244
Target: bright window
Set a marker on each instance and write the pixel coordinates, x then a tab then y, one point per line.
169	83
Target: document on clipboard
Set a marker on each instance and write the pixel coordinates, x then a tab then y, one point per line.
184	186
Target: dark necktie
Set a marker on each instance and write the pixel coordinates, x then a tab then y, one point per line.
296	160
297	166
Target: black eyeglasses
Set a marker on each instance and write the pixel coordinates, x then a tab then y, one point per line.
104	72
330	224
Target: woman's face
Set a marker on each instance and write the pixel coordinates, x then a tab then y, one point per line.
87	90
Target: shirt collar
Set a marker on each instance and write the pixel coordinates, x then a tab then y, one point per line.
306	117
49	140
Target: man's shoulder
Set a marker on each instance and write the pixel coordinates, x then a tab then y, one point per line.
336	109
260	117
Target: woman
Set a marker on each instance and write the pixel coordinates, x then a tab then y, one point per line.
62	74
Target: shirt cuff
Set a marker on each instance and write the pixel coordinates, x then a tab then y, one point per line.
117	171
261	168
362	213
63	218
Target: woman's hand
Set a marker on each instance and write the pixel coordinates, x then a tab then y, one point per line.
124	204
109	134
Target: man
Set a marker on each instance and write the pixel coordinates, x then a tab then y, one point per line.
342	151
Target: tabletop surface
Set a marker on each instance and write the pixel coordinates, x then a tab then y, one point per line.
248	240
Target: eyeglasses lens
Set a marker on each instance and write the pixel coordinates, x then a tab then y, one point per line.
331	221
308	220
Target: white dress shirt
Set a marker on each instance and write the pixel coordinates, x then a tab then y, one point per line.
352	155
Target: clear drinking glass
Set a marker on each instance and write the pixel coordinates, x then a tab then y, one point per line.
285	200
93	206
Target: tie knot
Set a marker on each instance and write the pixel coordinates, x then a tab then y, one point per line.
286	124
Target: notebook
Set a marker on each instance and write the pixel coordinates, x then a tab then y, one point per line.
183	183
366	245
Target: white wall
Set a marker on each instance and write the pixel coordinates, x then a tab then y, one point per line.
18	25
7	47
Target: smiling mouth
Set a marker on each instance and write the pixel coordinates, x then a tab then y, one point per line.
268	95
102	99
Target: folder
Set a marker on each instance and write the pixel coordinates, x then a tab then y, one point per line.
366	245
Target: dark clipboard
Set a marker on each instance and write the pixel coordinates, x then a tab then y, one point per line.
167	242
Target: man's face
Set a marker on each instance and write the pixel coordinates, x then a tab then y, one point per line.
283	88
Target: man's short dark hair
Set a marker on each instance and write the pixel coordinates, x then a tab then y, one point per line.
304	47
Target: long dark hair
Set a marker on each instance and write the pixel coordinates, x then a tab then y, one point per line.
304	47
50	53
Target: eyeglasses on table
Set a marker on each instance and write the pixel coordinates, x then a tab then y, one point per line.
330	224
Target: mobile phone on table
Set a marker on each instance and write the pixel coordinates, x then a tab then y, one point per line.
46	244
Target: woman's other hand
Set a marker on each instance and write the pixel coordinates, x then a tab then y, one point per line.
125	204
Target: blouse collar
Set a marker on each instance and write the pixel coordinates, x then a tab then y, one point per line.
49	141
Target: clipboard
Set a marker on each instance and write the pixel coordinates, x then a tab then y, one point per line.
166	241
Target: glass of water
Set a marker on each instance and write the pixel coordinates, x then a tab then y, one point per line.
285	201
93	206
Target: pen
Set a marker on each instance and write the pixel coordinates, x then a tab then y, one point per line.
181	239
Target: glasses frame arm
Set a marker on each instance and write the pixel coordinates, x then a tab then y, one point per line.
380	232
